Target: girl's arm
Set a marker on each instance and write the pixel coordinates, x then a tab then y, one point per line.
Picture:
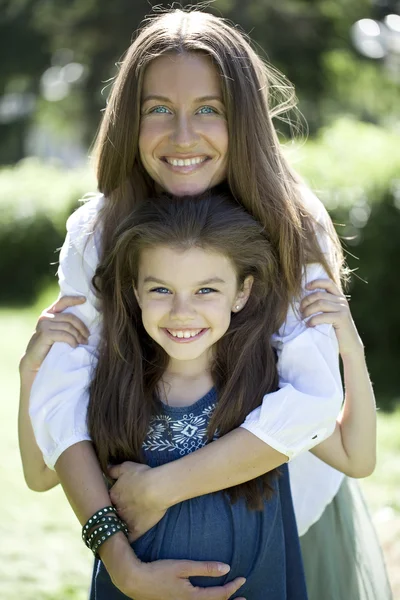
51	327
352	447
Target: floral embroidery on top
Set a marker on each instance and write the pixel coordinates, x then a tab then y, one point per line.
184	435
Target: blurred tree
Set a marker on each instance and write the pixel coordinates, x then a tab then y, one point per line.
306	39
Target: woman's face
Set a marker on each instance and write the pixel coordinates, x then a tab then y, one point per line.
183	140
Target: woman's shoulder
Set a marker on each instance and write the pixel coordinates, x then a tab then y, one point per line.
83	218
313	205
84	232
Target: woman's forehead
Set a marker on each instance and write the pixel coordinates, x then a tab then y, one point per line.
171	74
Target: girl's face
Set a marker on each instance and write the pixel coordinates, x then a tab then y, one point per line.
186	298
183	140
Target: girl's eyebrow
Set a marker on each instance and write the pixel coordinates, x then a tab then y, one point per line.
159	98
199	283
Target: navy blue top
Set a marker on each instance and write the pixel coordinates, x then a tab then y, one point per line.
262	546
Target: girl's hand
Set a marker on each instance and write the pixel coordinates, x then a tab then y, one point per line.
329	305
133	496
54	326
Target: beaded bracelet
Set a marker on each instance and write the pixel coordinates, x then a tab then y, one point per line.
102	534
93	519
101	526
87	535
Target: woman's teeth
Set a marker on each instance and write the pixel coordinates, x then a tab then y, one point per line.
184	334
185	162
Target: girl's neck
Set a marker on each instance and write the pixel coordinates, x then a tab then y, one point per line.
185	382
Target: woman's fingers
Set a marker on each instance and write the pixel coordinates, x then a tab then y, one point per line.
65	302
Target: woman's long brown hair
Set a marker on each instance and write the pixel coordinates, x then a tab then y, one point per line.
131	364
259	176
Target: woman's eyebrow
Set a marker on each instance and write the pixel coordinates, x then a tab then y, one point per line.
160	98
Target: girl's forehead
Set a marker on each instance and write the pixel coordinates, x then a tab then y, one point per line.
193	264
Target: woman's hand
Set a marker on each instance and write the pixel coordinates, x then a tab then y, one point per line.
133	495
331	306
54	326
169	580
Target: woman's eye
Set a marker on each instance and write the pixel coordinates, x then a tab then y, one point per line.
160	290
160	110
207	110
206	290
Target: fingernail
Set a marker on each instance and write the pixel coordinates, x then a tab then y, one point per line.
242	581
224	569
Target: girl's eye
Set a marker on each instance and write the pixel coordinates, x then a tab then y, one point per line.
160	290
207	110
160	110
206	290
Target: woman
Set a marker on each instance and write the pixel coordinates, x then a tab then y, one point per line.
189	111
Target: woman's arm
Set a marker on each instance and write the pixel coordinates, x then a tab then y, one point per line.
352	447
51	327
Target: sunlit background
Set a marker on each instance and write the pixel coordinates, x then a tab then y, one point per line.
58	58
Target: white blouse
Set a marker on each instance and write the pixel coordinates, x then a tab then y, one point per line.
292	420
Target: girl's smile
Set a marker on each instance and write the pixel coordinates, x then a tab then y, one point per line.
184	336
186	299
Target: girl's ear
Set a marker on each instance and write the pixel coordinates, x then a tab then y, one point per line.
137	297
244	294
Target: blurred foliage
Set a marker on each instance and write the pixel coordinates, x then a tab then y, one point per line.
308	40
35	201
353	167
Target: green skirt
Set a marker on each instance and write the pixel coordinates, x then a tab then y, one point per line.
341	552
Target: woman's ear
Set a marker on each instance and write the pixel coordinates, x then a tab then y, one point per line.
244	294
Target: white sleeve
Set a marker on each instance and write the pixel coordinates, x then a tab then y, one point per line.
59	396
303	411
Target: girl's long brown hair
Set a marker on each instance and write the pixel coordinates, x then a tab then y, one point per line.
258	175
131	364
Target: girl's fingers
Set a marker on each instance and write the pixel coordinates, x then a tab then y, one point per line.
63	336
315	296
324	284
65	302
325	306
47	321
55	328
323	319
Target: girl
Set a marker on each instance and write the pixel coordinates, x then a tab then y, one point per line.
190	295
191	104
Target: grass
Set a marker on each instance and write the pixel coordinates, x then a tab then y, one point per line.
41	554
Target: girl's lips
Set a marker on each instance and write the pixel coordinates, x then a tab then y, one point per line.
184	340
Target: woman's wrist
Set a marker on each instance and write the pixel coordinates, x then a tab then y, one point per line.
120	561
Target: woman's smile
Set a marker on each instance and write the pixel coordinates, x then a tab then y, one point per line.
183	140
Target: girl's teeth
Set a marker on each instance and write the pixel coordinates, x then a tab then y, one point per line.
179	162
185	334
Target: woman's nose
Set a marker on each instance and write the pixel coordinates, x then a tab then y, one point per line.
184	135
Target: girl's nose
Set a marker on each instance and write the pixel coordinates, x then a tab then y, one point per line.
182	310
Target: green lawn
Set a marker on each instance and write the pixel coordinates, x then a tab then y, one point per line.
41	554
